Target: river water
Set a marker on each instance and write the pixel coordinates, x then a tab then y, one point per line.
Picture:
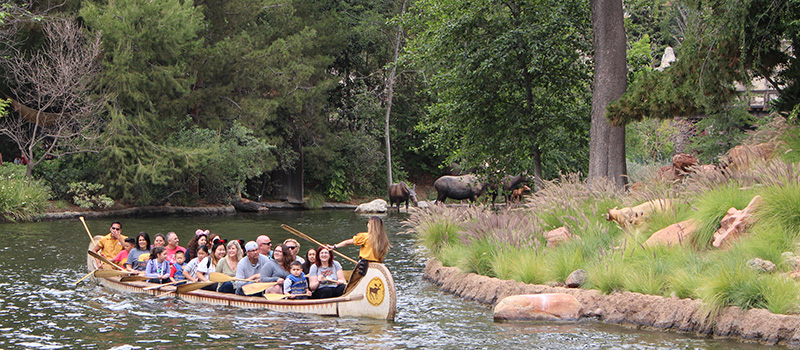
42	308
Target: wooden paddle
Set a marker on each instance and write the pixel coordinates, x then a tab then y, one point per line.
188	287
134	278
102	273
85	277
308	238
274	297
104	259
91	238
221	278
258	287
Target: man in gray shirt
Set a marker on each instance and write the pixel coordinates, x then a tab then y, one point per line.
249	268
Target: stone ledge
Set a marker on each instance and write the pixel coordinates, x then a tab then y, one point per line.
143	211
630	309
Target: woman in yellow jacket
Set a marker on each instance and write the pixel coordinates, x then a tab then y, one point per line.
374	243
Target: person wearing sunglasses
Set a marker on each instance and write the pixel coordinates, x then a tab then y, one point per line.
294	247
111	244
264	246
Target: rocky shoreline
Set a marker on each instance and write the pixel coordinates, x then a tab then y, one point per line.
630	309
151	211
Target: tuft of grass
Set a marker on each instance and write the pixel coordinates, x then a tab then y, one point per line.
730	282
450	255
563	260
781	204
607	275
712	207
315	201
478	257
529	267
780	295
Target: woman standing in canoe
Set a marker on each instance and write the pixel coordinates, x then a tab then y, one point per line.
374	243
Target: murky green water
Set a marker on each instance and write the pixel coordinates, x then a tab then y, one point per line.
42	308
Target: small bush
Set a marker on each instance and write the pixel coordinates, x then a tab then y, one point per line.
478	258
607	275
87	195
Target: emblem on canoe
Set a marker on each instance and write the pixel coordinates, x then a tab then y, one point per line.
375	291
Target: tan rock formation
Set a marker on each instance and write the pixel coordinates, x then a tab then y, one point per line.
541	307
743	156
673	234
735	223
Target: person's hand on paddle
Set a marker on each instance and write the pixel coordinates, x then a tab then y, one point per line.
254	278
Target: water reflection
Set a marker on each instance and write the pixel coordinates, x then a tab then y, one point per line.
43	309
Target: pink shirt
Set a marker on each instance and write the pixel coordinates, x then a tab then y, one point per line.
122	257
171	253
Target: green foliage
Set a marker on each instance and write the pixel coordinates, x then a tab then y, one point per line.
782	204
147	49
346	163
719	132
651	140
791	146
21	198
639	56
507	76
59	172
88	195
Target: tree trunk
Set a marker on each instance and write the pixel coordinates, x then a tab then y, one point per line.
389	97
607	142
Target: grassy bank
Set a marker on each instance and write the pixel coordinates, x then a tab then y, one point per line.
20	198
510	244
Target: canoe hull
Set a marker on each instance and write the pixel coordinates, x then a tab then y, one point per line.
373	296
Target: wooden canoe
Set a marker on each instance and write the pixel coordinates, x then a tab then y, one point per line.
373	296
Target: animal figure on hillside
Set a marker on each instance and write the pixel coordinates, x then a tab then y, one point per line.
516	195
509	184
458	187
633	216
400	192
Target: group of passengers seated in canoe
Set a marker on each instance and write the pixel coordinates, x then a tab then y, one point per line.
317	276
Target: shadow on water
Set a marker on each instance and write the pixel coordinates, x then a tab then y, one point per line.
42	308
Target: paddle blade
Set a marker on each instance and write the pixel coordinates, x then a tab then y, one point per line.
220	277
103	259
134	279
259	287
274	297
110	273
188	287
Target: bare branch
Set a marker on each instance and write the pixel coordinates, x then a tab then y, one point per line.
57	107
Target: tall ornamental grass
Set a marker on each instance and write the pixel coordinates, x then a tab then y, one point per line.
21	198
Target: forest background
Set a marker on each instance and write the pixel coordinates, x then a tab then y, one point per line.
187	102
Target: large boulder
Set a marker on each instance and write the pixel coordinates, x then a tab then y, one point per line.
673	234
539	307
376	206
559	235
735	223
